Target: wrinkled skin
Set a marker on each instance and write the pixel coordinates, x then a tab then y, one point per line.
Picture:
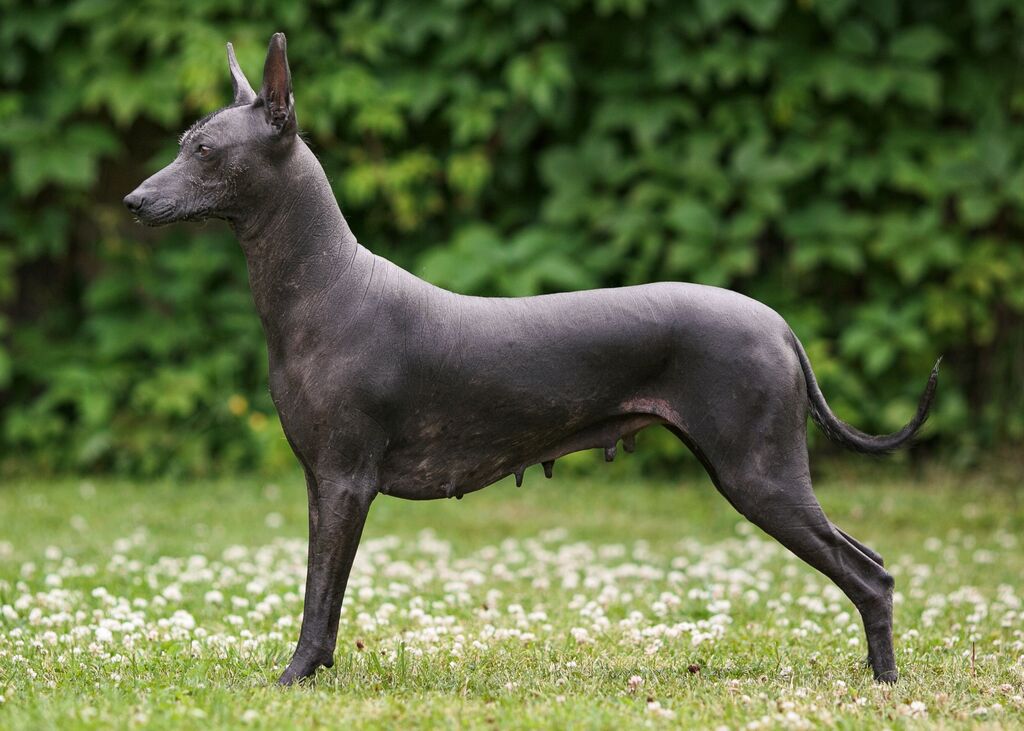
387	384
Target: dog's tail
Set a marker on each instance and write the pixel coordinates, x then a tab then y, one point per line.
851	438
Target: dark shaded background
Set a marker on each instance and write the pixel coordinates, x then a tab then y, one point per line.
859	166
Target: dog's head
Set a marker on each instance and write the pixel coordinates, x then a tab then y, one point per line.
227	163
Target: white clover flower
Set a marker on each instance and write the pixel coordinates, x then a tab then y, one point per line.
274	520
580	635
721	606
183	619
655	708
795	720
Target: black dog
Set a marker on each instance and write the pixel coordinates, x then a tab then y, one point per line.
387	384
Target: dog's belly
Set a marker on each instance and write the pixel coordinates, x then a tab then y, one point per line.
457	462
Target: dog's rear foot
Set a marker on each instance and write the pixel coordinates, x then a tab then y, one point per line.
301	668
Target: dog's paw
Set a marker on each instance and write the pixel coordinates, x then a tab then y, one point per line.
302	668
888	677
297	672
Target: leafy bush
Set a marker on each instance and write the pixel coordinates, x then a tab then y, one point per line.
859	166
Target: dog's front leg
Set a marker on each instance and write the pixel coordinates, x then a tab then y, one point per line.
338	506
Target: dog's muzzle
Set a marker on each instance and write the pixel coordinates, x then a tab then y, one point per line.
154	211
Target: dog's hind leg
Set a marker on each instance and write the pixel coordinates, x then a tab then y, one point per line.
338	506
866	550
744	414
870	553
787	509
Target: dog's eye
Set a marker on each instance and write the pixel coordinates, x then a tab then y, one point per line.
203	151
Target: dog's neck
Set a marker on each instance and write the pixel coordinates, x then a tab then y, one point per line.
297	243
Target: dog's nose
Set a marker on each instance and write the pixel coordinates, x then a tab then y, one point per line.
133	201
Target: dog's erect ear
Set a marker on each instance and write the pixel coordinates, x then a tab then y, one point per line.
239	84
276	93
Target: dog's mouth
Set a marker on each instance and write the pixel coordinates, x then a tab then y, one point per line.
157	213
163	212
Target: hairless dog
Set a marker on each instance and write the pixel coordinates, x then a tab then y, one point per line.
387	384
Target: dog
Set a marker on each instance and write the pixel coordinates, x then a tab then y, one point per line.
386	384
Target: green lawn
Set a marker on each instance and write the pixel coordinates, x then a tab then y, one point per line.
567	603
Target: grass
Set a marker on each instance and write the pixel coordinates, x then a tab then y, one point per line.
571	603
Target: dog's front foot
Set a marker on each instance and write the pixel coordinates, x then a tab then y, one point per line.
884	672
302	667
887	677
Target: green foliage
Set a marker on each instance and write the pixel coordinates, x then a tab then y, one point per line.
858	166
